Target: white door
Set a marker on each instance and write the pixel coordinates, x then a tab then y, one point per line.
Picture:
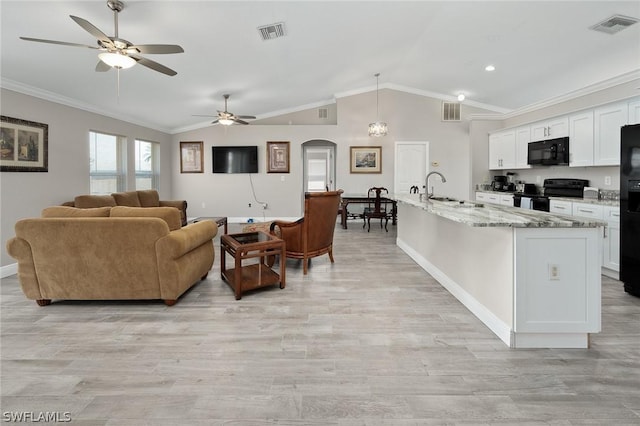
319	169
411	164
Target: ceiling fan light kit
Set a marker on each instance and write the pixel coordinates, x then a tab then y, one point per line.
378	128
116	52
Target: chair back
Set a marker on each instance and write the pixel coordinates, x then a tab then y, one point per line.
320	218
374	194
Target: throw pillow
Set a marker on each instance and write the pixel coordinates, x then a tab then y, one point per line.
149	198
129	199
91	201
171	215
64	211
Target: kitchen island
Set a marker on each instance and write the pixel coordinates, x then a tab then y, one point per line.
532	277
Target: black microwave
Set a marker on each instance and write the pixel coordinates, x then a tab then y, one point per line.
551	152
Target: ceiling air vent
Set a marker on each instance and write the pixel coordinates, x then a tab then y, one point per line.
450	111
614	24
271	31
323	113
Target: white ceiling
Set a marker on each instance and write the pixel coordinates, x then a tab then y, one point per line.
332	48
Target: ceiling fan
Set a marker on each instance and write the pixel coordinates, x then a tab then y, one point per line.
116	52
227	118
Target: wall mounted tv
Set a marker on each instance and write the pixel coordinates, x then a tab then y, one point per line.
235	159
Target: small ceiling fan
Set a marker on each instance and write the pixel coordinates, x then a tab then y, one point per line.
227	118
116	52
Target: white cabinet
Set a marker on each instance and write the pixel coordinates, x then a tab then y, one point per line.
562	207
611	241
523	137
607	123
550	129
488	197
506	199
634	112
592	211
502	153
581	139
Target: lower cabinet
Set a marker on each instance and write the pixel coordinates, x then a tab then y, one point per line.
495	198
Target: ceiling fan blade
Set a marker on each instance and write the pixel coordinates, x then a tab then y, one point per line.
63	43
199	115
154	49
215	121
154	65
102	67
246	117
92	29
237	120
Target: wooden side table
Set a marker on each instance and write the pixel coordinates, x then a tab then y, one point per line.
251	245
219	220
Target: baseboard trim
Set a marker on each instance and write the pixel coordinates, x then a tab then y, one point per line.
497	326
8	270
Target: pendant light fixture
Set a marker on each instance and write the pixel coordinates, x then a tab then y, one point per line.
378	128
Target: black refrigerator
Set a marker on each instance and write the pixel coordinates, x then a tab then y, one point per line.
630	209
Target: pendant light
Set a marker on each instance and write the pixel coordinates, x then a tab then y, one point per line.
378	128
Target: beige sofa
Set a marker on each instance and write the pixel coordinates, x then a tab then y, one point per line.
110	253
146	198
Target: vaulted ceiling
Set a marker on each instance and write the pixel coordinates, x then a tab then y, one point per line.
331	48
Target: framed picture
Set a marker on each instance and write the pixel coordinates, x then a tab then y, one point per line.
24	145
277	157
366	159
191	157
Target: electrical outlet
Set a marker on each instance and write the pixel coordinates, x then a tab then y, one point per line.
554	272
203	205
249	204
538	179
281	178
607	180
265	206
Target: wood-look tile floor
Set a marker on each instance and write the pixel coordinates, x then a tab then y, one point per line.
370	340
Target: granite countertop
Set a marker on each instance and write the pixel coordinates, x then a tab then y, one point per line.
492	215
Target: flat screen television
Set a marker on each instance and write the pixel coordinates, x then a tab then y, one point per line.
235	159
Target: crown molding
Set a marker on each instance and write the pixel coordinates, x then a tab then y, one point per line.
63	100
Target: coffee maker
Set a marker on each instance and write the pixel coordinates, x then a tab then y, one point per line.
499	183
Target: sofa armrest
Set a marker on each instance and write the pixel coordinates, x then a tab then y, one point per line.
181	241
20	250
178	204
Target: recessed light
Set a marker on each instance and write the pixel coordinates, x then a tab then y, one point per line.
461	97
490	68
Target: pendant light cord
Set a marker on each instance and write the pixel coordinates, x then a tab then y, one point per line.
377	93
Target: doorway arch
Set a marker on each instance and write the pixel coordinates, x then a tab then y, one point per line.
319	165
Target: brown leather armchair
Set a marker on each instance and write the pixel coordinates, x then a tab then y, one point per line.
311	235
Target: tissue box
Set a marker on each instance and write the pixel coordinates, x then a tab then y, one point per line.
590	193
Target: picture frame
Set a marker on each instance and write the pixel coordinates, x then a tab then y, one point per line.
24	145
366	159
191	157
278	156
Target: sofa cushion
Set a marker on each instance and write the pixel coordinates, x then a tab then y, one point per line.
129	199
168	214
64	211
149	198
91	201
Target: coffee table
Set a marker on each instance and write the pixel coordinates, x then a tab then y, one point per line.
220	221
251	245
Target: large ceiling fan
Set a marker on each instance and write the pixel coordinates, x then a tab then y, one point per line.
116	52
227	118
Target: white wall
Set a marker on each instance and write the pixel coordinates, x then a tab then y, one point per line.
26	194
410	117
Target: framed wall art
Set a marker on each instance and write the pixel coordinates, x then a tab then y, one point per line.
24	145
366	159
277	157
191	157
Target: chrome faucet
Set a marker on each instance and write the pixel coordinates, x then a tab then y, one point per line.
426	183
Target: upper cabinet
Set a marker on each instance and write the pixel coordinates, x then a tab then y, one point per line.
634	112
550	129
606	139
502	151
523	137
581	139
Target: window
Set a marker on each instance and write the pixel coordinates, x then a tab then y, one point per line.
106	161
147	165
